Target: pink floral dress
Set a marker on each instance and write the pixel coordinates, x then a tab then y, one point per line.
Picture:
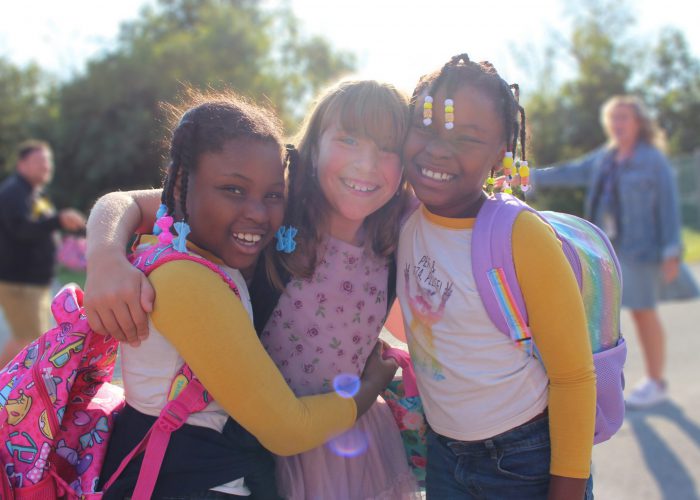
322	328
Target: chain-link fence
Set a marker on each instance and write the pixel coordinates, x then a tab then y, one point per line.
688	177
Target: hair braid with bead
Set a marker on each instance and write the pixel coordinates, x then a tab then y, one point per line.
206	122
460	71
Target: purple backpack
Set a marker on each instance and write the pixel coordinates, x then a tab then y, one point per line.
57	405
597	271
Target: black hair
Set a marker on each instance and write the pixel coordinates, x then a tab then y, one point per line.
461	71
211	121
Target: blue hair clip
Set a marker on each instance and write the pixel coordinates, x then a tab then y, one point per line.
285	239
180	243
162	210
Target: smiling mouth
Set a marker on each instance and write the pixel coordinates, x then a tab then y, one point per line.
248	239
360	187
436	176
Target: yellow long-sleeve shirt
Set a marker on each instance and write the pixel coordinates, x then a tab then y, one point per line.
474	384
196	312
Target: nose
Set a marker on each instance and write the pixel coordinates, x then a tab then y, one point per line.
368	158
257	212
438	148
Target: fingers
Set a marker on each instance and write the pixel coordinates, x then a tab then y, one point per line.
111	326
126	324
148	295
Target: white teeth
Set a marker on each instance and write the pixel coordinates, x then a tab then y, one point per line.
361	188
438	176
248	237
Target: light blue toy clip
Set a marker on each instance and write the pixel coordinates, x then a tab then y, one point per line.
180	242
285	239
162	210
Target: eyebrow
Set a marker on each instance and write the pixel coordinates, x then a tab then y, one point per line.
469	126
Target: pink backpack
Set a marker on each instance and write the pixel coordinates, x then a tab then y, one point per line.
597	271
57	405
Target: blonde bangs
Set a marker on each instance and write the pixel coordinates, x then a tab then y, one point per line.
372	110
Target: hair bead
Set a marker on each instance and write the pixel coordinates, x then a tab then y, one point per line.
428	111
524	173
449	114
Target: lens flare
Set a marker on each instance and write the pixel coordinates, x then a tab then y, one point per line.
346	384
350	444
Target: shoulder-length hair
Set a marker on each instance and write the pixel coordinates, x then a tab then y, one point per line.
367	108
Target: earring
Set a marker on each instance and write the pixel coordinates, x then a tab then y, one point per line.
524	173
427	111
449	114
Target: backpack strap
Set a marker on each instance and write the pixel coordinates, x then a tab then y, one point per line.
494	269
187	394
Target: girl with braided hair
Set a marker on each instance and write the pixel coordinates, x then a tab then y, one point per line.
319	303
225	186
503	423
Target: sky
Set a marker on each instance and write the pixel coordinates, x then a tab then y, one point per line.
394	40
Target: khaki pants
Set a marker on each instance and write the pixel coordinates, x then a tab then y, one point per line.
26	309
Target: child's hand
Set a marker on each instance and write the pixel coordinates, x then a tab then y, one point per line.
379	369
376	376
118	298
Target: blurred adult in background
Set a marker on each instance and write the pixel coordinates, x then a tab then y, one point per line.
28	222
632	195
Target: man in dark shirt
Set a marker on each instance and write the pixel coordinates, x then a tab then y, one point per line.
28	222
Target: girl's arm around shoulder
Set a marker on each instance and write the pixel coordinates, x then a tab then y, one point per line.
195	310
558	324
118	296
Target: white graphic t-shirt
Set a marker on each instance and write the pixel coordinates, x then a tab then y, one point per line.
473	381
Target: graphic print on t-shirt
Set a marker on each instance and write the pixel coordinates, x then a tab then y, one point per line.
427	307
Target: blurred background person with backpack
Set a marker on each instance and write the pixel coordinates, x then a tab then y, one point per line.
632	196
28	222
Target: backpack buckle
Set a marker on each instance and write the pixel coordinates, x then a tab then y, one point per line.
172	416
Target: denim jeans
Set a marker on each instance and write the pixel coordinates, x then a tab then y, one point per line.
512	465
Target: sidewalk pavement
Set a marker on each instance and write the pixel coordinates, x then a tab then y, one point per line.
656	454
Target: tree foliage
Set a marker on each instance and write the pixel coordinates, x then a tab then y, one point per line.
23	108
605	60
109	130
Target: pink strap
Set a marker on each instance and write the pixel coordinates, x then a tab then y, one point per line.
409	375
155	442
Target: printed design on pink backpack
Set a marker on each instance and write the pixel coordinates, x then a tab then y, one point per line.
57	407
62	373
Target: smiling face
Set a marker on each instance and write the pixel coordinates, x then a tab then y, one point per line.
357	178
235	200
447	168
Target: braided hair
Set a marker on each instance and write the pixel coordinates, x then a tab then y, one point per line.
210	121
460	71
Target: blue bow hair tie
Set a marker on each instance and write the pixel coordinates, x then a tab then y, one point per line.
285	239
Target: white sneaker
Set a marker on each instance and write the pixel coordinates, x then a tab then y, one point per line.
647	393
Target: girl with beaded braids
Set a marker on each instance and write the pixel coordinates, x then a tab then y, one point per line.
503	424
225	186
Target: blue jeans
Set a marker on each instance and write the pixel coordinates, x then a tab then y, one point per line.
514	464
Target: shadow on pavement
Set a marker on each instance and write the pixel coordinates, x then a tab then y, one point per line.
672	478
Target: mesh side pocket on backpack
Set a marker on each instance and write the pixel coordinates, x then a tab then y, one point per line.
610	407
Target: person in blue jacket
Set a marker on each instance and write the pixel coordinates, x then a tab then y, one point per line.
631	194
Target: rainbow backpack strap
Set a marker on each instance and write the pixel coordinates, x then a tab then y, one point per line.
494	270
597	271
